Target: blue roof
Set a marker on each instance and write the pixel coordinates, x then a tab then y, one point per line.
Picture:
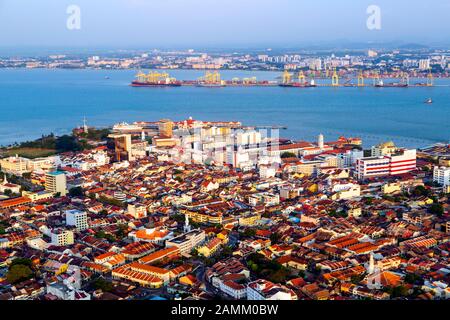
157	298
55	173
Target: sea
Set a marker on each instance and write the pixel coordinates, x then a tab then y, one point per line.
34	102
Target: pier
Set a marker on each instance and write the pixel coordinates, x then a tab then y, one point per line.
213	79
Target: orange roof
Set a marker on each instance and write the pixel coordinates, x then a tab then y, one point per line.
147	269
14	202
156	234
105	255
159	255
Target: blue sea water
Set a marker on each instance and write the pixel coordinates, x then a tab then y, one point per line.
40	101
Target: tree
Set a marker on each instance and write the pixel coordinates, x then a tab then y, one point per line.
400	291
76	192
110	237
249	232
122	231
288	155
420	191
102	284
67	143
279	276
436	209
7	192
23	261
100	234
18	273
275	237
412	278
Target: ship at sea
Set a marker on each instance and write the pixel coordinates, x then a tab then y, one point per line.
155	79
391	85
287	81
299	84
404	83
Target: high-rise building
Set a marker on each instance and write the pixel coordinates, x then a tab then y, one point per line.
122	145
441	175
424	64
61	237
55	182
165	128
401	162
77	218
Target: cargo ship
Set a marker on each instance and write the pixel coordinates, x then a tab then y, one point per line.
381	84
210	85
298	84
155	79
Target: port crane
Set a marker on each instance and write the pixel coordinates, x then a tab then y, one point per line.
430	79
286	77
360	79
211	78
301	78
335	79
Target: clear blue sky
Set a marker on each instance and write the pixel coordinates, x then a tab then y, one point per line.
211	23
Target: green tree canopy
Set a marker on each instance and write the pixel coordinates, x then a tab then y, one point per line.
288	155
18	273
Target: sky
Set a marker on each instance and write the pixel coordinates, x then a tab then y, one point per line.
220	23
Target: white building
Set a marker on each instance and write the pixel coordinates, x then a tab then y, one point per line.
55	182
137	211
15	165
424	64
401	162
266	290
267	171
233	289
441	175
187	241
348	159
61	237
77	218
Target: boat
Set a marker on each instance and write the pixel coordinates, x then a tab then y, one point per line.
155	84
429	101
391	85
155	79
210	85
298	84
